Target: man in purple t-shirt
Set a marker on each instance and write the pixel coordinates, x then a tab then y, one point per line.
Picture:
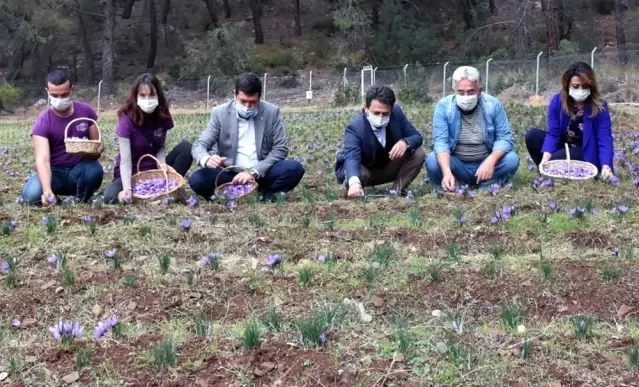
59	172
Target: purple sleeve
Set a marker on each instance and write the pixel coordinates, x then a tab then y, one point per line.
41	126
168	124
553	135
124	128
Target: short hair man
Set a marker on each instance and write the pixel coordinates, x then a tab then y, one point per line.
472	138
380	146
248	133
59	172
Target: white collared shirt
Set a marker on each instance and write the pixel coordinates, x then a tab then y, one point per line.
246	146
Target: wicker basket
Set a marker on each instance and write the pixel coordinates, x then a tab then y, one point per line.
592	170
159	173
220	188
85	147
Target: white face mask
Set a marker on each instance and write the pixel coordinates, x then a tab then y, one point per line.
245	112
377	122
148	105
466	102
60	104
579	95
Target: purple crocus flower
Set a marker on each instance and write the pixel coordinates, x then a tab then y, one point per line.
66	331
104	326
494	189
204	261
410	194
45	220
186	224
532	167
16	323
424	181
462	220
614	180
4	267
393	192
554	206
494	219
14	224
230	205
19	200
87	219
635	181
623	209
323	338
110	253
273	261
212	198
53	259
617	251
191	202
613	212
321	259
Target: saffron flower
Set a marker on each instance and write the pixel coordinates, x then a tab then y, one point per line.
191	202
104	326
321	259
230	205
87	219
66	331
614	180
186	224
617	251
273	261
577	212
16	323
623	209
212	198
554	206
4	267
493	189
45	220
54	260
110	253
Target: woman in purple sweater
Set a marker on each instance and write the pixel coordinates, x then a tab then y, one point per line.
144	121
578	117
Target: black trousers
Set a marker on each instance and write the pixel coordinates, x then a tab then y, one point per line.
535	142
179	159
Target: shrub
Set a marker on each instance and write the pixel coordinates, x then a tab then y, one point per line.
347	96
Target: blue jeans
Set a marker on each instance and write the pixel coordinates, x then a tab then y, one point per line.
464	172
81	181
282	177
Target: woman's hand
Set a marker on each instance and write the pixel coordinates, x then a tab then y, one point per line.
125	196
545	159
606	172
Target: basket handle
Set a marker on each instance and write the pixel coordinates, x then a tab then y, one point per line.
567	153
166	176
224	170
66	130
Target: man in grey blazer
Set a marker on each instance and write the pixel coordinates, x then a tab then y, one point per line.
248	133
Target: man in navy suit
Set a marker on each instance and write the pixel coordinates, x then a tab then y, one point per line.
380	146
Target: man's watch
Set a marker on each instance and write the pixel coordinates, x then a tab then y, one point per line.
254	173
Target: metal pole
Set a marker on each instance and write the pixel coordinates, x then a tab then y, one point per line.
208	90
537	79
405	74
345	81
362	85
99	92
592	57
444	87
310	81
374	76
487	72
264	87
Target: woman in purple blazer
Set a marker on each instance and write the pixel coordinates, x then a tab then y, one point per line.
578	117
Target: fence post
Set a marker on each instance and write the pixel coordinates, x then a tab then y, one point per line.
208	91
99	92
264	88
444	83
374	76
537	77
344	78
487	72
309	93
592	57
405	74
362	90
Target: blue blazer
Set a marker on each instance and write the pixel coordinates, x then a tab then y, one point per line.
360	143
597	145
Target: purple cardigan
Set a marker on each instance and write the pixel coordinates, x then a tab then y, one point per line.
597	142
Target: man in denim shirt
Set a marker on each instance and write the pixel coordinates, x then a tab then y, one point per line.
472	138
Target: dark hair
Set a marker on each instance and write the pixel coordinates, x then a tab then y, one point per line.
587	76
58	77
249	84
383	94
131	109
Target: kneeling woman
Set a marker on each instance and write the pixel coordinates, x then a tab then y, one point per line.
578	117
142	127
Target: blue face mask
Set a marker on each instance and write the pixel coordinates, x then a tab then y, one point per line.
245	112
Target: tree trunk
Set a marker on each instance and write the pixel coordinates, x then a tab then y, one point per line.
621	33
256	7
493	8
298	19
108	85
153	32
166	7
128	8
374	15
227	8
467	12
520	40
551	17
565	22
86	44
210	6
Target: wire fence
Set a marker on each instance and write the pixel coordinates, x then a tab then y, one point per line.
510	80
